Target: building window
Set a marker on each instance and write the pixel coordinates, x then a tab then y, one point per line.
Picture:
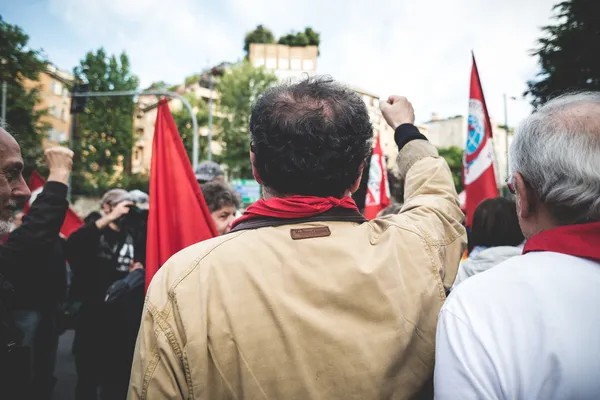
63	115
271	63
284	63
296	63
308	65
56	88
259	62
52	111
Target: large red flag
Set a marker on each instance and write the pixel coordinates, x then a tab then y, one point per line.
478	166
178	215
72	220
378	189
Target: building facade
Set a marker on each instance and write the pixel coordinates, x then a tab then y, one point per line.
145	120
283	60
53	88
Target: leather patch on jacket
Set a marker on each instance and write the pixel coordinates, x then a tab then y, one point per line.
308	233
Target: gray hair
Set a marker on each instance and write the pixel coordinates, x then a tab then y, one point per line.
557	151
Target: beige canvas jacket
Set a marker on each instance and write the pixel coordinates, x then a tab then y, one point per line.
257	314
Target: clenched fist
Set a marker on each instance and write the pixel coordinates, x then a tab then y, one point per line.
60	164
397	111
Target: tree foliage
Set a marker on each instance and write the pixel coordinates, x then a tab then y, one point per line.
22	64
307	38
569	52
105	129
454	157
258	35
239	88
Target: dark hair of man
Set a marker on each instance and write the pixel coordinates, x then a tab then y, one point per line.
310	138
495	223
218	195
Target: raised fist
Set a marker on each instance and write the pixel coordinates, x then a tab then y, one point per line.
397	110
60	163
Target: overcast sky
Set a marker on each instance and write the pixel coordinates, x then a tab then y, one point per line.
417	48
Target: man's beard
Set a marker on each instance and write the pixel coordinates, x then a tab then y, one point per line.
5	227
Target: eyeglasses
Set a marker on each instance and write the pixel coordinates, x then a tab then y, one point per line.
511	186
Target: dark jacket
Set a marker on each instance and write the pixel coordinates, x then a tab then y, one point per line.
29	247
22	257
94	266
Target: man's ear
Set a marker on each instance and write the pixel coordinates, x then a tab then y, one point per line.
254	171
526	200
106	208
356	183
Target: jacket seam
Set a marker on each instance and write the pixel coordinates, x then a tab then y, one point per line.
165	328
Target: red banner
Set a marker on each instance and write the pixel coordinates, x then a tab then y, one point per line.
378	189
478	166
178	216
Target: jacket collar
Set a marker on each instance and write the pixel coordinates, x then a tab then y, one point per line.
334	214
582	240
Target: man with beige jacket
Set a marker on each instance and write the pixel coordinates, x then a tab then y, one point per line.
304	298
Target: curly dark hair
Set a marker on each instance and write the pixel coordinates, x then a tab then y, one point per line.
218	195
495	223
310	138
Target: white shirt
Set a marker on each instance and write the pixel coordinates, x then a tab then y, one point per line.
528	328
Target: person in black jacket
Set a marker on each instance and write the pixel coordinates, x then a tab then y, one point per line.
100	253
23	254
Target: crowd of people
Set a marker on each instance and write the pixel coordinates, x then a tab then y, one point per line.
300	296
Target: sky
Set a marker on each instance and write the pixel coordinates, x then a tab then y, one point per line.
420	49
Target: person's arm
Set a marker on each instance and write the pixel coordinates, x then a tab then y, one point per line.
84	242
35	238
463	369
430	199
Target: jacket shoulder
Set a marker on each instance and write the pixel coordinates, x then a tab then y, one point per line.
183	264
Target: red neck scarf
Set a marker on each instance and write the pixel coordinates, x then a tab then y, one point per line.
294	207
575	240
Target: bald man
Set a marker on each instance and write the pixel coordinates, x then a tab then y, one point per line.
23	257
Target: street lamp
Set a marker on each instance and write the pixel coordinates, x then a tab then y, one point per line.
507	132
3	61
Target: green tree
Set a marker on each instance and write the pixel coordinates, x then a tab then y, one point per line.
21	64
454	157
568	52
307	38
239	88
105	129
258	35
183	120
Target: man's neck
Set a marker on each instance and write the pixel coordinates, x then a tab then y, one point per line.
269	193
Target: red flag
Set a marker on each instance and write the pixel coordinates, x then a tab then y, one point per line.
72	220
478	166
378	189
178	215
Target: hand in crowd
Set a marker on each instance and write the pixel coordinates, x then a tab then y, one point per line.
60	164
136	265
118	211
397	110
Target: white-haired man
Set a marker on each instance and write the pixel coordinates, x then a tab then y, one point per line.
530	328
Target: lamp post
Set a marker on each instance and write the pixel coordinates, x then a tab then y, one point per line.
3	62
507	132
